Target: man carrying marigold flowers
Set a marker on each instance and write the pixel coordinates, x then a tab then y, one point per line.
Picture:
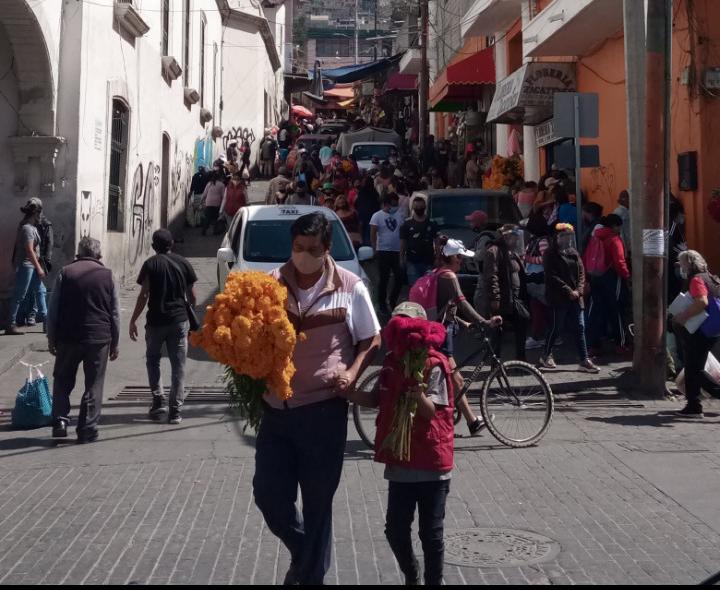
301	440
415	437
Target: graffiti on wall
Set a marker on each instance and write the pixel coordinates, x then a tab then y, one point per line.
241	134
91	212
143	196
603	186
180	178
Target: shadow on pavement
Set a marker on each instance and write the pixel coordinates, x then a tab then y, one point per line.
658	420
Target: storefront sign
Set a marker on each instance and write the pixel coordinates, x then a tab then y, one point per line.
545	133
526	95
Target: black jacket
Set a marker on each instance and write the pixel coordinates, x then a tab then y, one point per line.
564	273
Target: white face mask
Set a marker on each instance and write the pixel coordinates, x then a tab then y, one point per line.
306	263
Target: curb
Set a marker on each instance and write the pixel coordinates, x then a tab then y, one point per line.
20	353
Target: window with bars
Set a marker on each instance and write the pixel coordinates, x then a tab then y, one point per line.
166	27
118	165
187	15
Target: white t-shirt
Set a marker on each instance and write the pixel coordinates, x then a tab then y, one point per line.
388	229
360	317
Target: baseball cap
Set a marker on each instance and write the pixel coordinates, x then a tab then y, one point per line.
33	204
477	217
411	310
457	248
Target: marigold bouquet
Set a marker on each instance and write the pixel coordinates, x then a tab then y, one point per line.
409	340
248	330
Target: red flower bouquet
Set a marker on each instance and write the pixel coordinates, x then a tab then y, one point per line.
409	340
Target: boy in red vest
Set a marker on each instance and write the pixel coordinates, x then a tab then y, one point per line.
424	480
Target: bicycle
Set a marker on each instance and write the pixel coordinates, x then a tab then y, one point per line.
512	392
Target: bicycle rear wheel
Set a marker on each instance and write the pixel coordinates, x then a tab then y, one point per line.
517	404
365	418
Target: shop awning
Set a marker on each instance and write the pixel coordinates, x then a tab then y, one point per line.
401	83
464	80
357	72
341	92
526	95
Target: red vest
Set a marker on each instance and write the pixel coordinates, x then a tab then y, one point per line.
433	440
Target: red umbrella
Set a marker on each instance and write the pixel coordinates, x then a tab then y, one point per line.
301	111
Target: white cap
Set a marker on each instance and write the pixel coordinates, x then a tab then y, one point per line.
455	248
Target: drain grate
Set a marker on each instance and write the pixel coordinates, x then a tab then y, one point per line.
201	394
478	547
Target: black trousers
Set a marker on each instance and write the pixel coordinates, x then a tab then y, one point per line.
520	330
389	262
94	358
695	350
302	447
210	216
430	498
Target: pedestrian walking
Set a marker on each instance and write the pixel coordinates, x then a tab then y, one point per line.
385	237
268	151
212	199
421	483
277	186
83	327
167	280
350	220
505	285
235	197
417	242
564	288
608	287
702	286
197	187
26	260
28	314
245	153
367	204
301	442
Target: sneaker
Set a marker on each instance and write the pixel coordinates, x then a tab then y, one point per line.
13	331
158	408
30	322
477	427
60	428
88	437
587	366
175	417
532	344
547	362
691	413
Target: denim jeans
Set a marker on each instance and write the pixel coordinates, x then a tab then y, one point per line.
27	280
416	270
174	337
560	314
301	447
29	307
430	498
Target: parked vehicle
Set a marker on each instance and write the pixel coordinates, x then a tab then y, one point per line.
311	142
259	239
366	151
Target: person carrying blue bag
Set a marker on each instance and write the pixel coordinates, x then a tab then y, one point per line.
83	327
33	405
704	288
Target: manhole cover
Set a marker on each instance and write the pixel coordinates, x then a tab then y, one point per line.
498	548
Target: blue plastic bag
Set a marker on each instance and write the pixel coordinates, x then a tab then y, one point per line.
711	326
33	404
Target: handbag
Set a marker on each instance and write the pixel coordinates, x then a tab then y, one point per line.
193	320
711	326
33	403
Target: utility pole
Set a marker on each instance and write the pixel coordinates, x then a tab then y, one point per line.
375	34
634	21
653	320
357	44
424	75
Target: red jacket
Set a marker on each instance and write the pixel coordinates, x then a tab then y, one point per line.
432	445
614	251
235	198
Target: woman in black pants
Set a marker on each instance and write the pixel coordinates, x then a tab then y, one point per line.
701	286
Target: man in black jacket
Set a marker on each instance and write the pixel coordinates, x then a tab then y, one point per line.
564	290
83	327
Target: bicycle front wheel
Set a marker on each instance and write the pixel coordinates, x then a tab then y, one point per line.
517	404
365	418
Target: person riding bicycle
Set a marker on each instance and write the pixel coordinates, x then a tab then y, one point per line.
453	306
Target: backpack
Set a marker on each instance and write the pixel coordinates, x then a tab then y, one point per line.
595	258
424	292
